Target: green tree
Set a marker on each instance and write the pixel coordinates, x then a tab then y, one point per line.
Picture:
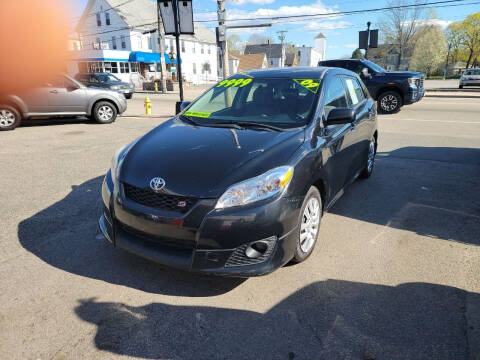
454	42
430	50
470	31
357	54
235	46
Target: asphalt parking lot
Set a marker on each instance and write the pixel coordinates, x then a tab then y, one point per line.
395	275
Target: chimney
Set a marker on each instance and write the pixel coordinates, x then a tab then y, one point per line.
268	41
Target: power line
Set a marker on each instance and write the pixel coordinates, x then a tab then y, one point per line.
102	11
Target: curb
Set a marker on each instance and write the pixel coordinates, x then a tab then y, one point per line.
453	96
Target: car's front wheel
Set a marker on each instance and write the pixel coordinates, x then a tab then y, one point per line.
104	112
307	232
9	117
390	102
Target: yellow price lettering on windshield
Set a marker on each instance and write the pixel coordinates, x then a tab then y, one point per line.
197	114
309	84
234	83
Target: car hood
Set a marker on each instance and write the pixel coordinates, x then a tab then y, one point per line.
203	161
404	74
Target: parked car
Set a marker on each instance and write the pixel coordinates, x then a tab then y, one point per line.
237	182
60	97
106	80
470	77
392	89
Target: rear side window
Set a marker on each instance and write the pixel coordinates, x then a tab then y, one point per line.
354	90
334	95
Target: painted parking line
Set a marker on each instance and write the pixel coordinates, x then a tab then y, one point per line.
441	121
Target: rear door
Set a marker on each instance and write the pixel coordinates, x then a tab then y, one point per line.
361	129
64	96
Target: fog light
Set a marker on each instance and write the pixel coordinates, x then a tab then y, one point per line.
256	249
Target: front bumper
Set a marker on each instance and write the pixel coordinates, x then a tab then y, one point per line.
203	240
413	95
469	82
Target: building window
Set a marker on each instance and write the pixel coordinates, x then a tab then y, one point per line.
124	68
271	62
194	68
202	50
208	49
107	18
99	20
150	43
114	67
183	46
114	43
134	67
124	44
97	44
193	48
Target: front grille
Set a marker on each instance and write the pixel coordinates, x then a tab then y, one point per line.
173	244
419	82
238	257
147	197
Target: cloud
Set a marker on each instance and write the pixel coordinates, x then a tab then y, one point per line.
258	2
438	22
350	46
315	26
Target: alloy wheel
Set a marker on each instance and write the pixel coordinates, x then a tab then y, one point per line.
389	103
309	226
105	113
7	118
371	156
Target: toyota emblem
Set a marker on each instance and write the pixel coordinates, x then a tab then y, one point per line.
157	184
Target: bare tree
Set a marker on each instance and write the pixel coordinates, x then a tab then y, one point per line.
257	39
399	26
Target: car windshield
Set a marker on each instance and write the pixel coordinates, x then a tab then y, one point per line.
374	67
281	102
107	78
472	72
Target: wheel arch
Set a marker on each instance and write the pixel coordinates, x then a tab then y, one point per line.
390	88
96	101
321	185
15	102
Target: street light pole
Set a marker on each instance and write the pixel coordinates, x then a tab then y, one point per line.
177	41
368	39
161	51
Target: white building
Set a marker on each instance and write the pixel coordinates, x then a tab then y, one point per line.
310	56
120	37
275	53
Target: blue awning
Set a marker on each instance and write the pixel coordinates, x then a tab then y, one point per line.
145	57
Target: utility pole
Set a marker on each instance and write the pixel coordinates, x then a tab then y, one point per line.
368	39
161	50
282	38
222	37
177	41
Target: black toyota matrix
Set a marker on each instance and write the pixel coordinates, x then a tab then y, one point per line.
237	182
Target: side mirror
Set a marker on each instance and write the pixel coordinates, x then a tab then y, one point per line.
181	105
340	116
366	74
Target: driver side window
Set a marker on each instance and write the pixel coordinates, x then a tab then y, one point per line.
335	96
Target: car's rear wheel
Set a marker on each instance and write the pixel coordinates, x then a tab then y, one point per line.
389	102
104	112
307	232
370	162
9	117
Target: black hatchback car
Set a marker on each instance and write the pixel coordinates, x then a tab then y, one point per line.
106	80
236	183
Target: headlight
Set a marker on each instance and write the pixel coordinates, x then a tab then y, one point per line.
412	82
115	87
118	158
258	188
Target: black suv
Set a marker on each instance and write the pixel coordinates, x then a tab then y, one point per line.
391	89
106	80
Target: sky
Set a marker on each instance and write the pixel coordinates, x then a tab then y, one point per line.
341	31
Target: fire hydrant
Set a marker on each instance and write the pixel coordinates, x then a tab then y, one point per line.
148	106
155	86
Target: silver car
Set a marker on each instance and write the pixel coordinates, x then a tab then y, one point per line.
62	96
470	77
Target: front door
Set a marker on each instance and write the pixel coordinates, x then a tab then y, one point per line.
64	96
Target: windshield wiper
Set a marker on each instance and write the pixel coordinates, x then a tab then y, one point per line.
245	124
191	120
220	125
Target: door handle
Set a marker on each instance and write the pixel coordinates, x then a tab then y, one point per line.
53	91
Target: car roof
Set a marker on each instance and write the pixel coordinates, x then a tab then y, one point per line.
290	72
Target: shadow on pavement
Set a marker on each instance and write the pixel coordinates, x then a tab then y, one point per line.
326	320
65	235
432	191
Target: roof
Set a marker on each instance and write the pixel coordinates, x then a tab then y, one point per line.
142	14
300	72
320	36
249	61
272	50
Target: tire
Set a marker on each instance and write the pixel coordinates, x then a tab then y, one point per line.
389	102
306	243
460	86
104	112
10	118
370	160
